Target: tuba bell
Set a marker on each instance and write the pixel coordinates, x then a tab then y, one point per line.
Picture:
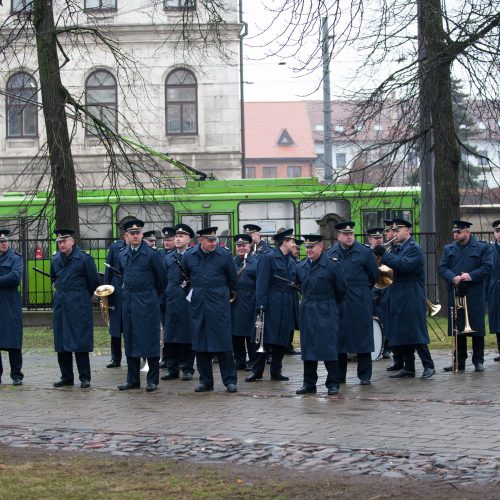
103	292
386	277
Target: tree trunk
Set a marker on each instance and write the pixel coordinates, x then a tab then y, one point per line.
445	146
53	102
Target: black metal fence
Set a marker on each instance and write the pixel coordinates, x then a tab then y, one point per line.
37	290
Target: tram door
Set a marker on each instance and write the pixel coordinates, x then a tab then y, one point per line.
222	221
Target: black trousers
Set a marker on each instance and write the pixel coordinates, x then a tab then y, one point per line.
277	354
242	346
498	342
178	357
290	341
227	367
311	374
16	364
65	360
398	355
477	349
364	365
116	349
408	352
134	370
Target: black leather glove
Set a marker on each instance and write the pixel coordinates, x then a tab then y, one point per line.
379	251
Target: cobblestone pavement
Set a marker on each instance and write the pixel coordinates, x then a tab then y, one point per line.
447	427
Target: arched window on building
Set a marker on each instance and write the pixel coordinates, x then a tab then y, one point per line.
101	100
181	93
22	109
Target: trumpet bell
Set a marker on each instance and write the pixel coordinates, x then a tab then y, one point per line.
104	290
386	277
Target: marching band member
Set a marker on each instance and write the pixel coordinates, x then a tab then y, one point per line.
275	296
243	308
177	326
407	325
143	283
294	260
150	238
258	244
212	277
11	333
323	287
356	311
494	288
466	264
113	277
75	278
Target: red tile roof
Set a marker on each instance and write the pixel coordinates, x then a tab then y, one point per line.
265	123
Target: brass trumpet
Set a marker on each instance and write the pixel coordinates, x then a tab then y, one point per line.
386	273
259	330
103	292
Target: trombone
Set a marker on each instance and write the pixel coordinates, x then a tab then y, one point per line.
459	303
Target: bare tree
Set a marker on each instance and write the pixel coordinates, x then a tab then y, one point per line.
62	33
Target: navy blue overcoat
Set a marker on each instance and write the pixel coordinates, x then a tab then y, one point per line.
323	286
356	311
177	325
494	291
144	280
406	310
11	274
112	277
76	279
475	258
275	296
243	309
212	275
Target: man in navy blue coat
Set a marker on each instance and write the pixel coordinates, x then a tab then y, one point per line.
177	325
494	288
356	312
465	265
323	287
112	276
243	308
275	295
258	245
407	323
212	278
75	279
143	283
11	331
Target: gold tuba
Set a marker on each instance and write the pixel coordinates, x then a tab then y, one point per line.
103	292
386	273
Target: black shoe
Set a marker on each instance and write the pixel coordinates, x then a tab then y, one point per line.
126	386
253	377
280	378
461	368
85	384
113	364
403	373
428	373
479	367
151	387
395	367
170	376
204	388
232	388
497	358
364	382
61	383
163	364
332	391
306	390
17	381
187	376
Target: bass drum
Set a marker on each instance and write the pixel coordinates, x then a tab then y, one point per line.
378	339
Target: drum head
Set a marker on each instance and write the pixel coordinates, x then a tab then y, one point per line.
378	340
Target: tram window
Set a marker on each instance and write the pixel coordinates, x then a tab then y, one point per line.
375	218
95	222
316	214
269	215
221	221
155	216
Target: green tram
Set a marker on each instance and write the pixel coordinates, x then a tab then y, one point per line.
301	203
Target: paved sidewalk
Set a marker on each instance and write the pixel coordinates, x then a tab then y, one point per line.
452	415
